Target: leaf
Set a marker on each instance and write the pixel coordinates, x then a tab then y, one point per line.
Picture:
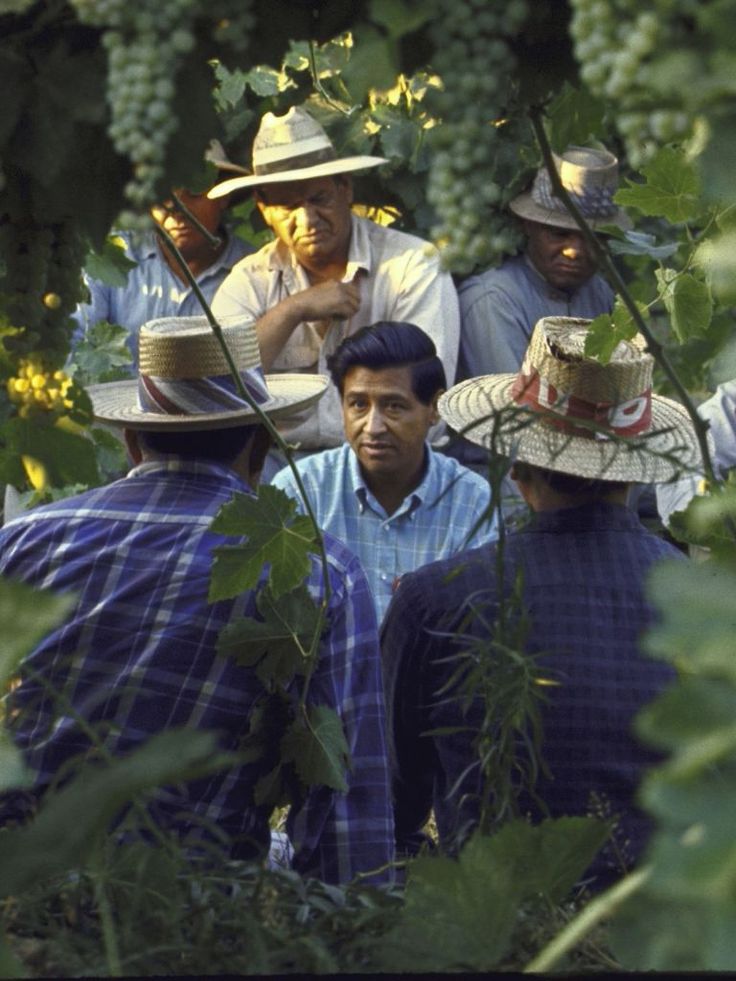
111	265
688	301
102	354
26	616
264	81
67	457
230	85
460	914
278	644
641	243
317	747
696	624
398	17
671	190
68	822
606	331
13	772
276	535
717	256
373	63
574	115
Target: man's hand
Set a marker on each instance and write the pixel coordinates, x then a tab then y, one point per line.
322	302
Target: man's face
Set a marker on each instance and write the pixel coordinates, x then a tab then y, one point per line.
311	218
561	255
385	423
188	239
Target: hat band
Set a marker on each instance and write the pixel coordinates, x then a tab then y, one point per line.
563	409
594	202
200	396
295	161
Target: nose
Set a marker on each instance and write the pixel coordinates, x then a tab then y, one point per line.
306	216
575	247
374	422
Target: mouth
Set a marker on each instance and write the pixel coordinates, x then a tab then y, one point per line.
376	449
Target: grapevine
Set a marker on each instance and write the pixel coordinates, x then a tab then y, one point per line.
466	184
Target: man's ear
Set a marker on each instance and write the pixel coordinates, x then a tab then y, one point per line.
133	446
435	416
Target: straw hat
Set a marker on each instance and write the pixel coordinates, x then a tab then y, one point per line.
567	412
293	147
589	176
184	382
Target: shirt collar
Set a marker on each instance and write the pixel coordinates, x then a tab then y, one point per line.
175	464
586	517
424	491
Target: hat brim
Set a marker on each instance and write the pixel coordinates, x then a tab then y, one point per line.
526	207
116	403
481	409
327	169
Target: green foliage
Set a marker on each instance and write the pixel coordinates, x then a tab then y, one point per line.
671	190
67	456
102	354
460	914
110	265
316	745
278	538
608	330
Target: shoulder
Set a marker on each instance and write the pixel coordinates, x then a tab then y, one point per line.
495	280
397	242
439	591
259	262
454	474
324	464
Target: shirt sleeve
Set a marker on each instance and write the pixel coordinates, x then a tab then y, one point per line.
494	334
336	835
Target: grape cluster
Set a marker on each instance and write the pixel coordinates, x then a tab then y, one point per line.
145	42
619	46
40	284
36	388
475	62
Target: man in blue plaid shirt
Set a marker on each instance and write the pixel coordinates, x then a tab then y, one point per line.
137	653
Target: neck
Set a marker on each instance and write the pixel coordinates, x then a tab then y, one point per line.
390	490
544	498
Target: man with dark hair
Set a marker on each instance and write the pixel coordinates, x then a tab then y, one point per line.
328	272
138	651
568	590
392	499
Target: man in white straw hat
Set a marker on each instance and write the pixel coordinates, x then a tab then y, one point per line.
573	586
137	652
555	276
328	272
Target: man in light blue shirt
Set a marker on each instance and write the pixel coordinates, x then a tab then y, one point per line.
392	499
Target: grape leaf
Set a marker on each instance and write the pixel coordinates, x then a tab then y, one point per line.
574	114
102	354
67	457
688	301
277	644
111	264
671	190
373	63
399	18
641	243
316	744
26	616
276	535
606	331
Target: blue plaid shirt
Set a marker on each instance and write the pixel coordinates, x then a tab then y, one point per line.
584	571
138	651
441	517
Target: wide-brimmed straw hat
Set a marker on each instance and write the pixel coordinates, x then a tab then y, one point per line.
568	412
184	382
589	176
293	147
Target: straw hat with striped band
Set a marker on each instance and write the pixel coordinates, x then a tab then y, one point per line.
184	382
293	147
589	176
567	412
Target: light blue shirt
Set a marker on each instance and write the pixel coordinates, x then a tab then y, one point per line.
152	289
437	520
499	309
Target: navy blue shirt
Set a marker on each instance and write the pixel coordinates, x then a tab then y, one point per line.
584	572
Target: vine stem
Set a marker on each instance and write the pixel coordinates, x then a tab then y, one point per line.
112	949
272	430
596	910
604	260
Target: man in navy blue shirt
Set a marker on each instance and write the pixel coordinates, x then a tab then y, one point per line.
567	590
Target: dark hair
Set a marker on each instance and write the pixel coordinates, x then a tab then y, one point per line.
568	483
220	445
391	344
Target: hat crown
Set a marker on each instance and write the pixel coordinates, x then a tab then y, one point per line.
186	347
294	139
588	175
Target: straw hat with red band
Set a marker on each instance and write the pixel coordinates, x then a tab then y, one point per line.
293	147
568	412
184	382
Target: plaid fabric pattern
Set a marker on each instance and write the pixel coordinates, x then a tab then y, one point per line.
437	520
137	655
584	570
